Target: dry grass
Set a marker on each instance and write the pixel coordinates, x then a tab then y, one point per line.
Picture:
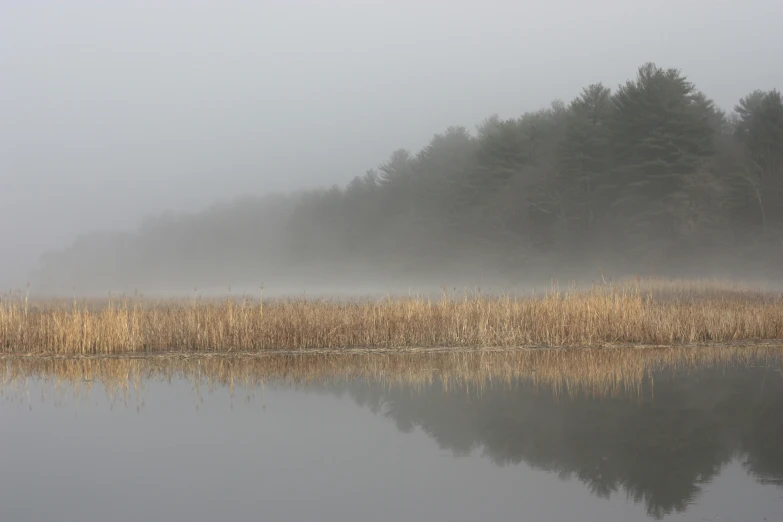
591	371
659	312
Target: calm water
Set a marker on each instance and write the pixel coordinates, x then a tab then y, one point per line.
701	445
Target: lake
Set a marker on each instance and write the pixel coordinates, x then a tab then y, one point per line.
394	437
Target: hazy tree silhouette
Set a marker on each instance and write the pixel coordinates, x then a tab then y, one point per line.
648	177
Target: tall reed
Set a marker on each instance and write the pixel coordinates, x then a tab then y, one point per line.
655	312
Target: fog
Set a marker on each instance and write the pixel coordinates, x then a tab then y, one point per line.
115	113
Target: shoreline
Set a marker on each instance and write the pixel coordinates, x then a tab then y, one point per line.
601	372
410	350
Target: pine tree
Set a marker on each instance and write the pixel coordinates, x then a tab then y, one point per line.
662	131
759	130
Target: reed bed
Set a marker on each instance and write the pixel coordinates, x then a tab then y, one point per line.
591	371
654	312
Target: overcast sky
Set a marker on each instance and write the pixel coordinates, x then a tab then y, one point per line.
110	111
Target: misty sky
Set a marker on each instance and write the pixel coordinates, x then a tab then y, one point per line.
110	111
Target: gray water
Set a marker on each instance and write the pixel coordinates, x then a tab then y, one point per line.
701	446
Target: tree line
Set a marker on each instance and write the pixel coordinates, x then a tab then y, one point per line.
648	177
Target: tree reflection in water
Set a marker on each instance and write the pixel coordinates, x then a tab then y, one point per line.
655	424
659	448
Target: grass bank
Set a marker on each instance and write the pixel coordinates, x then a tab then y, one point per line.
637	312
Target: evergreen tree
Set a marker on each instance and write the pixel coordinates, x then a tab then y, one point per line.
586	160
661	132
760	131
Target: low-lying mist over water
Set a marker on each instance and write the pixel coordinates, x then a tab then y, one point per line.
391	260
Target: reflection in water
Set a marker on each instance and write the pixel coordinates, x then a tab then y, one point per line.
658	450
656	424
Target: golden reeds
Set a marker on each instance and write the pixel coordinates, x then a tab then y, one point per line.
634	313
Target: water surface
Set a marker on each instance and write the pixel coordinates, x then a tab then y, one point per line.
199	440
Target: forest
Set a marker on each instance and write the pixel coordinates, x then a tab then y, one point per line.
649	177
